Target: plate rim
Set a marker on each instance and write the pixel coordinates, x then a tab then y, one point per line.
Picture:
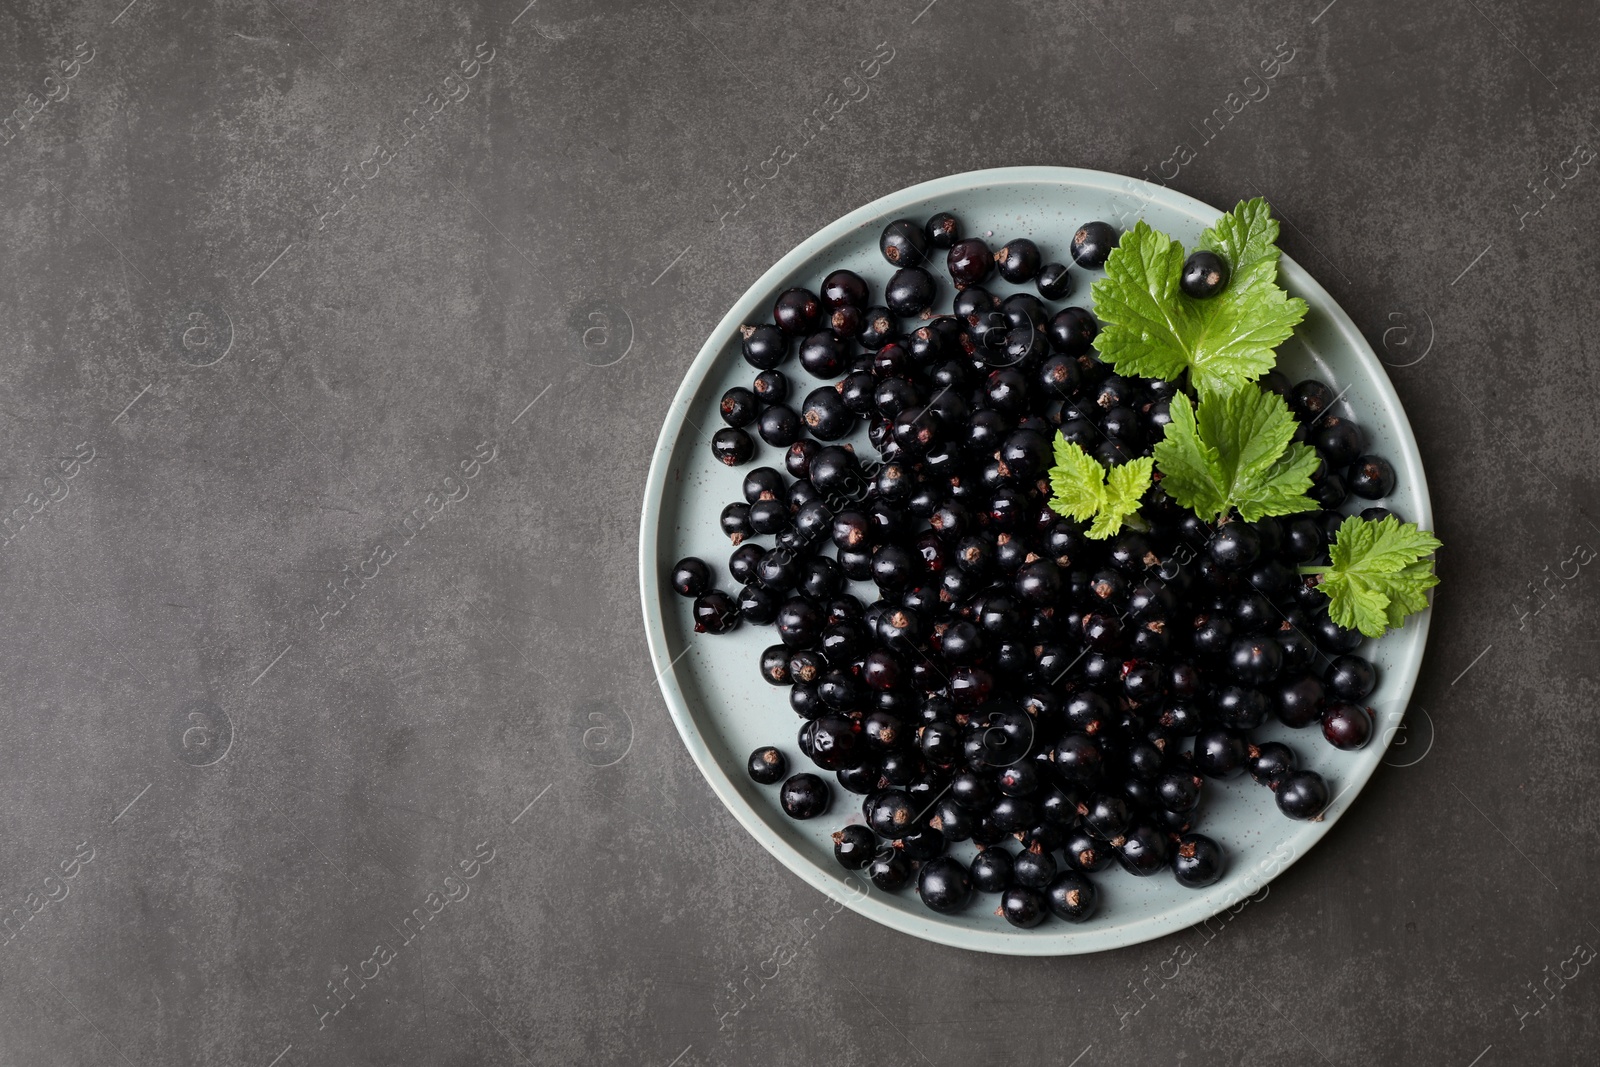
1083	939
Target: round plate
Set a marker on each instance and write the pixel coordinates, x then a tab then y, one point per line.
723	708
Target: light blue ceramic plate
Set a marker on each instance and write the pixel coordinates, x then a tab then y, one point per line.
724	710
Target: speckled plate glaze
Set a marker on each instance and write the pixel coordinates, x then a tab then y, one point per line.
724	710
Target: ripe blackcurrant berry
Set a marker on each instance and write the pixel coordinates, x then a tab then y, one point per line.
1092	244
771	387
1073	897
797	311
825	414
1350	677
1347	726
804	796
903	243
1302	794
767	765
1236	546
1310	399
844	288
822	355
1218	753
910	292
890	870
765	346
715	613
1054	281
970	262
691	577
1023	907
1198	861
944	885
1072	331
943	230
1018	261
1270	762
1339	440
854	847
991	870
1205	274
1371	477
732	446
1144	850
738	406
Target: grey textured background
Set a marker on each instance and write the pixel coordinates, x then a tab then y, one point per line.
269	390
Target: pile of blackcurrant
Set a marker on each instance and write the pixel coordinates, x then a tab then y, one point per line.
964	659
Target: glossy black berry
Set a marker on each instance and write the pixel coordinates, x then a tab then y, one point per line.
1339	440
974	301
1198	861
878	328
771	387
825	415
775	665
1235	546
804	796
735	521
822	355
1298	701
970	262
1180	791
1073	897
1371	477
944	885
1256	661
1023	907
800	623
1270	762
1092	244
1054	281
1018	261
1035	869
715	613
1205	274
1310	398
1144	851
890	870
1347	726
854	847
732	446
844	288
765	346
758	605
691	577
1302	794
903	243
767	765
943	230
779	426
1333	638
910	292
739	406
762	483
1218	753
1351	677
845	322
991	870
1073	331
797	312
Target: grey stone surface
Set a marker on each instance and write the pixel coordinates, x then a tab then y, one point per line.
272	371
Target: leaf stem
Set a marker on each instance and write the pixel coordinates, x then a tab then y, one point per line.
1314	570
